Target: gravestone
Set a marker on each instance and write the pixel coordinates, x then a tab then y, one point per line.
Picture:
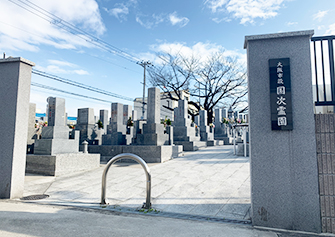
87	126
117	129
220	129
127	113
153	130
104	120
55	137
15	78
206	132
134	115
150	141
284	172
224	113
31	128
55	153
184	130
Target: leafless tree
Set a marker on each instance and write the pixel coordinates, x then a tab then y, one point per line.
217	81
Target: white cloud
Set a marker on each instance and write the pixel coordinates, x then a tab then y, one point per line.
291	23
150	22
225	19
81	72
175	20
61	63
200	50
23	30
320	15
154	20
215	4
121	10
61	67
246	10
331	30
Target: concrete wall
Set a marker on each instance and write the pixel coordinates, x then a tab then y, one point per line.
325	140
284	181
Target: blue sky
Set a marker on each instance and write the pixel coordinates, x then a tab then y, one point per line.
141	28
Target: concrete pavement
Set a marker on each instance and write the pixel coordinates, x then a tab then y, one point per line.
203	193
27	220
210	182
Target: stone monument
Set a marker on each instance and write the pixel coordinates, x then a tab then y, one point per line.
184	130
56	154
151	140
87	126
104	120
31	129
220	129
206	132
117	129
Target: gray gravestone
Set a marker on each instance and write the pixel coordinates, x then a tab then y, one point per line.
31	128
55	138
117	130
184	130
224	113
127	113
85	116
104	119
284	180
88	128
153	132
56	111
134	115
206	133
154	108
218	116
15	80
220	129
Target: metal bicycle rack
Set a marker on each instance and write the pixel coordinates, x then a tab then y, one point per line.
139	160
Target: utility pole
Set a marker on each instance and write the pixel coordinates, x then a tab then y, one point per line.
144	64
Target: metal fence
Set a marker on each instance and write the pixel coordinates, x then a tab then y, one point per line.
324	70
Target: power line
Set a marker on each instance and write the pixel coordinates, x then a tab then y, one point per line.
59	22
99	58
71	93
80	85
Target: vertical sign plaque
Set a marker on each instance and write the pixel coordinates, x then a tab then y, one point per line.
280	94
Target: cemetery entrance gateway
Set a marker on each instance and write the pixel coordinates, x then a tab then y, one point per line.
284	180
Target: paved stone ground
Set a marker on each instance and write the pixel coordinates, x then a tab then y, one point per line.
211	182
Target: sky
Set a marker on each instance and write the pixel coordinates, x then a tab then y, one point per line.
138	30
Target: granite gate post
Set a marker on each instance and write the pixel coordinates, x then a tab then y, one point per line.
284	179
15	78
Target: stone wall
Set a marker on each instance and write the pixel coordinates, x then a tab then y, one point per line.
325	148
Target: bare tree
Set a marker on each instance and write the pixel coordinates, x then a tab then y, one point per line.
212	82
173	75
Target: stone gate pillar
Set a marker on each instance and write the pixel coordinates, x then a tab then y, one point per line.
284	181
15	77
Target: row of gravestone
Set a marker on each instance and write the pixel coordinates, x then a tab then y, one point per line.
55	137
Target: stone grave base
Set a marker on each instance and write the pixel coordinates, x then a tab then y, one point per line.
150	154
240	149
225	140
191	146
215	143
61	164
238	140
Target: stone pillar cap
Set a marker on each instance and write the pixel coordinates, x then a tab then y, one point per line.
247	38
17	59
